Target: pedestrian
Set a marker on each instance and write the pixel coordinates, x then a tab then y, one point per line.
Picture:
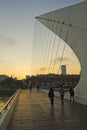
38	86
71	94
30	88
51	96
61	91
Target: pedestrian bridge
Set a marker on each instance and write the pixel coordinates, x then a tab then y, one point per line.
33	112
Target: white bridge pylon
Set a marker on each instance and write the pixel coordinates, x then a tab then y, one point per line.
73	22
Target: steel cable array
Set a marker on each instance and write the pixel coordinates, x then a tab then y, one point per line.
48	47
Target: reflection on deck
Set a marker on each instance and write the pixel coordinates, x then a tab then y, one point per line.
33	112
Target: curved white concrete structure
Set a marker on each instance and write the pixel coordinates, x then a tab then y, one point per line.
73	22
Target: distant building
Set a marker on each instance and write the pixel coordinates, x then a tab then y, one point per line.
56	80
27	77
63	69
3	77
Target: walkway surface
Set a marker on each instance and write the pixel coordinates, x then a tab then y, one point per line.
33	112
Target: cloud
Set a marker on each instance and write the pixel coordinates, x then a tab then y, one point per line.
7	40
42	69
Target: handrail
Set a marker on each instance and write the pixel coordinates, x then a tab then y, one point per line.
8	102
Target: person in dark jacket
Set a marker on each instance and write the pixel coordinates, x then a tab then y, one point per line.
51	95
30	88
38	86
61	91
71	94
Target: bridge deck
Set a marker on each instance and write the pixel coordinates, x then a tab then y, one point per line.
33	112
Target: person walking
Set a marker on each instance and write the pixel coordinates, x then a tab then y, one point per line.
38	86
51	96
71	94
30	88
61	91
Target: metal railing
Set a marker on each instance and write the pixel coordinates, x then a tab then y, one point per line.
8	102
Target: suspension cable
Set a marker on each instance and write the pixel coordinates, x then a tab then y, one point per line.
46	48
49	46
57	49
63	51
52	49
43	46
34	48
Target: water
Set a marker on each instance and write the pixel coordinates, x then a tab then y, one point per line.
3	101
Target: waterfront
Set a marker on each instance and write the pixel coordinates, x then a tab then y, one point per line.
3	100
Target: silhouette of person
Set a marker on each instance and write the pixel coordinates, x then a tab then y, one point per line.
30	88
51	95
38	86
61	91
71	94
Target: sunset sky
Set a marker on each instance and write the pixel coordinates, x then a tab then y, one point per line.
17	19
